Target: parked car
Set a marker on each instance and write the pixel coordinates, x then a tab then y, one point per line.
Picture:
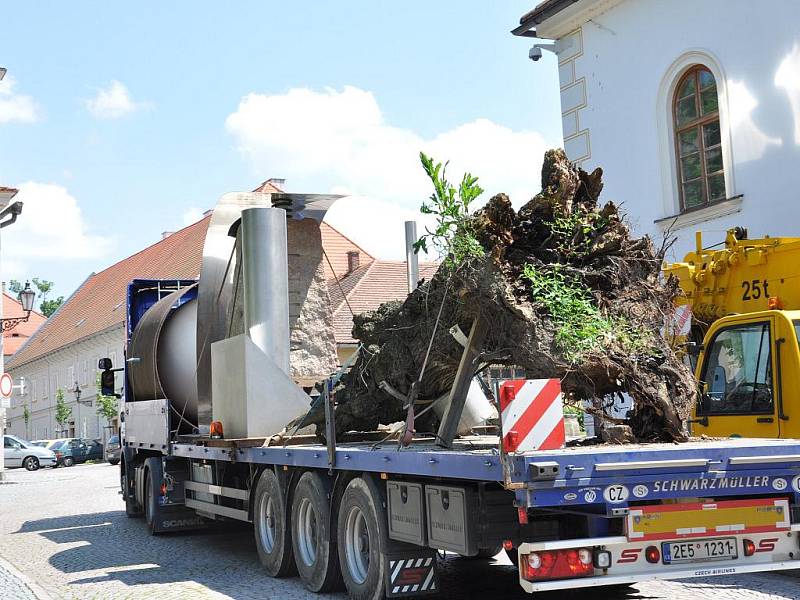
113	450
70	451
19	453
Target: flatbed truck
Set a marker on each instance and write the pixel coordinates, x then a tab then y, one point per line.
372	514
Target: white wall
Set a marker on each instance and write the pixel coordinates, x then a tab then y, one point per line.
44	375
624	56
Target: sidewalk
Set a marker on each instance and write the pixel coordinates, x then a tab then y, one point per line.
15	586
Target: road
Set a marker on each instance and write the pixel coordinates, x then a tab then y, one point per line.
65	532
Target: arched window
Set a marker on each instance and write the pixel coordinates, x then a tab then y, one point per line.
701	177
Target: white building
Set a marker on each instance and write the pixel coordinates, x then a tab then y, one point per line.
692	109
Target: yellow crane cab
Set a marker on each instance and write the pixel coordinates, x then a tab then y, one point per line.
742	299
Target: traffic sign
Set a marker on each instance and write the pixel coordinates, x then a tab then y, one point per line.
6	385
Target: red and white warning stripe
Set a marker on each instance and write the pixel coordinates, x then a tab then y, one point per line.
532	415
411	576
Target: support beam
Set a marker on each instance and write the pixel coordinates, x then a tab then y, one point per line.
458	393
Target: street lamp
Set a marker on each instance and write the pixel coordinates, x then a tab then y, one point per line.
26	299
77	393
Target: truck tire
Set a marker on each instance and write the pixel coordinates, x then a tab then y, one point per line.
152	482
359	543
132	508
273	539
313	538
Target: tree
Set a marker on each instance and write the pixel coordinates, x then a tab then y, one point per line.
107	406
26	416
46	306
63	412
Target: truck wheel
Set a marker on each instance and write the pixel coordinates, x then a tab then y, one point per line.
152	482
358	537
132	509
313	541
273	541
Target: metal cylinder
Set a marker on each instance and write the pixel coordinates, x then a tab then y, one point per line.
265	278
412	258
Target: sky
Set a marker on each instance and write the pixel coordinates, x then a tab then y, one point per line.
117	124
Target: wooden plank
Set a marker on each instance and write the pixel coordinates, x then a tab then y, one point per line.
448	428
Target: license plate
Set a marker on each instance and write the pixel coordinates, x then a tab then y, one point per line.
699	550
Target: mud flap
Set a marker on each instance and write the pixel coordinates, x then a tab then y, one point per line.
177	518
411	573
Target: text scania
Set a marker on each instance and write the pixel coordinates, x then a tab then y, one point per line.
725	483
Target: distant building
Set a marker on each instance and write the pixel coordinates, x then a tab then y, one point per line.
363	288
64	352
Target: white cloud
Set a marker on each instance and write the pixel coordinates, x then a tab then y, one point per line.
113	102
332	140
50	227
16	107
192	215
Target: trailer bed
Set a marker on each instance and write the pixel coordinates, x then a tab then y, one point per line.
599	474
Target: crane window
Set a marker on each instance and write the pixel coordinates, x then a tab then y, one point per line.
738	372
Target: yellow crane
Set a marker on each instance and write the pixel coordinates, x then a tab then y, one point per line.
745	306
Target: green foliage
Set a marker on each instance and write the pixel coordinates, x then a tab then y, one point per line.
573	231
570	409
107	406
46	307
454	236
63	412
582	327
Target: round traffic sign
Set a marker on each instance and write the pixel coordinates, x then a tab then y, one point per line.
6	385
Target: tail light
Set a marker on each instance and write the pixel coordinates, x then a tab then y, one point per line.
749	547
558	564
652	554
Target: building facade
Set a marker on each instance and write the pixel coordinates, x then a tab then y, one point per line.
694	129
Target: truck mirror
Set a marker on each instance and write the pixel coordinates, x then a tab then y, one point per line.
105	364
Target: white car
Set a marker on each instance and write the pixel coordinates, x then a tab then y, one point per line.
19	453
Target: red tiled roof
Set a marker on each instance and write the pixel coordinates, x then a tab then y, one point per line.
14	338
268	187
336	247
367	288
100	302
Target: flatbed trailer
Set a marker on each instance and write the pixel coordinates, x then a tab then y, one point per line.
723	506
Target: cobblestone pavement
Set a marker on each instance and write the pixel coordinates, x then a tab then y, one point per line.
66	530
12	587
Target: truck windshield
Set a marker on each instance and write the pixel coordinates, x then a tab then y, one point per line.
738	372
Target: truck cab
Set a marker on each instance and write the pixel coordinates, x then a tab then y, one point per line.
744	301
749	371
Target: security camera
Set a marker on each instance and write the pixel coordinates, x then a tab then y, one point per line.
535	53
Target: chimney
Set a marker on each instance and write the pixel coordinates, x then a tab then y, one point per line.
166	234
352	261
